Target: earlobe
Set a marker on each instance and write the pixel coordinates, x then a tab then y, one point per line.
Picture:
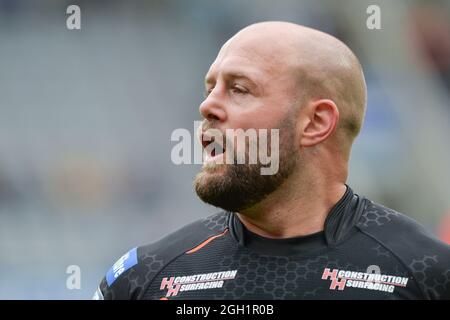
321	119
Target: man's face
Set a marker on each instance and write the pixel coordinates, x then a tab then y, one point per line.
247	88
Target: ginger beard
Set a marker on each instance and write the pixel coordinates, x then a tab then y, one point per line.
236	187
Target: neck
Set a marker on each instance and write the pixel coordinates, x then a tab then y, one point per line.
293	210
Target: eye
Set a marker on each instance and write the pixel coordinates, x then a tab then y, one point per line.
239	89
207	92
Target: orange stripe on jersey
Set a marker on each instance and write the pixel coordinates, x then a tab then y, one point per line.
204	243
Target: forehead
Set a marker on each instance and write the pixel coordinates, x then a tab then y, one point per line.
247	60
235	67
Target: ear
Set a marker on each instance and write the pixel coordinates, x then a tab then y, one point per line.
320	119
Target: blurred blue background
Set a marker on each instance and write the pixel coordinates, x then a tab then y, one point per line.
86	117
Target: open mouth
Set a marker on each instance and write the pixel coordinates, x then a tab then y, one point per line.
214	148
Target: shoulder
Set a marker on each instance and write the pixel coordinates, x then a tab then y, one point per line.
425	256
134	271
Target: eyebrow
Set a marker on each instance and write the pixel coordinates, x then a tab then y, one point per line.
231	75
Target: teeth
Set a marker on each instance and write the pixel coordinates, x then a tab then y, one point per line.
218	148
215	149
211	147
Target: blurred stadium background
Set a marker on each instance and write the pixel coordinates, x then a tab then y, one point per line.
86	118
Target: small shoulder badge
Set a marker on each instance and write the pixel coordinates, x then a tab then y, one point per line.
124	263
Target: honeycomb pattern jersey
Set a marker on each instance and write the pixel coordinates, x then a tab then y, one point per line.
366	251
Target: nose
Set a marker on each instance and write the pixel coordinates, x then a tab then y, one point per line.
213	107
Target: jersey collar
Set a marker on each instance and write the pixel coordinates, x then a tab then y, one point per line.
339	225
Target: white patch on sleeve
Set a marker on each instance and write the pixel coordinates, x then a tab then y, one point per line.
98	295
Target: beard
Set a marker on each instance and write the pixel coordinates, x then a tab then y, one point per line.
236	187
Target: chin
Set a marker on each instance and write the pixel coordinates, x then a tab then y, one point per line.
210	167
210	175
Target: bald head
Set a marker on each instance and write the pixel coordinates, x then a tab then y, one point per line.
303	83
322	67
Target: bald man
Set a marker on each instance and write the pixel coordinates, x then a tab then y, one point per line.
299	232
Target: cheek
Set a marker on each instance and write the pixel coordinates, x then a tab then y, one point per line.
262	116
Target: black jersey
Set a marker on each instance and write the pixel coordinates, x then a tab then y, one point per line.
366	251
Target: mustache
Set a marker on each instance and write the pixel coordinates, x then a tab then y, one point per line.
203	129
206	125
